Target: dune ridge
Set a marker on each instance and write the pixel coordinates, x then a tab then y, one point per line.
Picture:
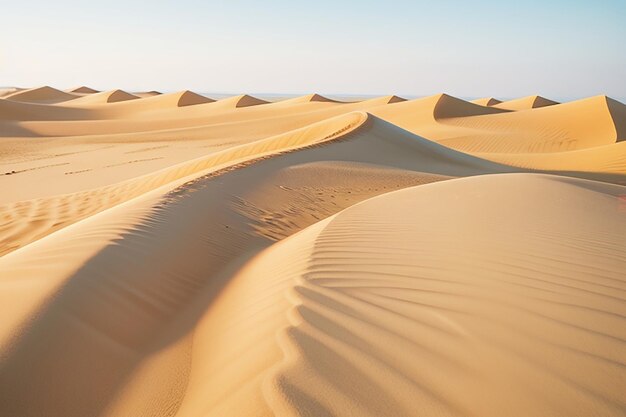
327	295
569	126
486	101
243	100
171	255
22	221
525	103
83	90
41	95
104	97
389	285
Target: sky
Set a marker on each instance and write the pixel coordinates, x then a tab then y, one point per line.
562	49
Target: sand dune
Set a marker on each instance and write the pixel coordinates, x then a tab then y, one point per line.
26	221
379	322
16	111
487	101
429	116
147	93
580	124
610	159
240	101
462	323
412	114
188	98
576	125
525	103
104	97
312	97
10	90
42	95
83	90
128	108
171	255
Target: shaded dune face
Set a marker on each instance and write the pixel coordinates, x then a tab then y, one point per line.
174	255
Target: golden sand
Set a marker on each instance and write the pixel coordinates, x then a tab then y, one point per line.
175	255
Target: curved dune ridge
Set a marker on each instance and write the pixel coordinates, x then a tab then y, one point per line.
335	301
42	95
189	98
525	103
172	255
27	221
379	322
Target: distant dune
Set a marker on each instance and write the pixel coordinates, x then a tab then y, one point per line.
104	97
241	101
188	98
171	255
44	95
147	93
525	103
83	90
487	101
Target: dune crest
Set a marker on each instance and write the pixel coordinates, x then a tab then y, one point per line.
395	99
41	95
448	107
189	98
526	103
243	100
83	90
465	322
162	102
487	101
618	115
314	97
579	124
168	255
104	97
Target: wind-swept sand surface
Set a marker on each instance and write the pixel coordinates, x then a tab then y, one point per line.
174	255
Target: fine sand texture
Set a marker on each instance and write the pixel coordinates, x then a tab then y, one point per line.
172	255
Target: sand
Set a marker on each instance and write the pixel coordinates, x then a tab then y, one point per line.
173	255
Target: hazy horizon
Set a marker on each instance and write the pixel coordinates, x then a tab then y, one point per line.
562	50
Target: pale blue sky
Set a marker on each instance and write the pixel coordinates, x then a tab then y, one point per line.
560	48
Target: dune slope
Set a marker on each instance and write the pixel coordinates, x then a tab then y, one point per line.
525	103
103	97
414	304
358	312
42	95
165	255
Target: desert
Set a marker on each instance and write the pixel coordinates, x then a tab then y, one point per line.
312	209
173	254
